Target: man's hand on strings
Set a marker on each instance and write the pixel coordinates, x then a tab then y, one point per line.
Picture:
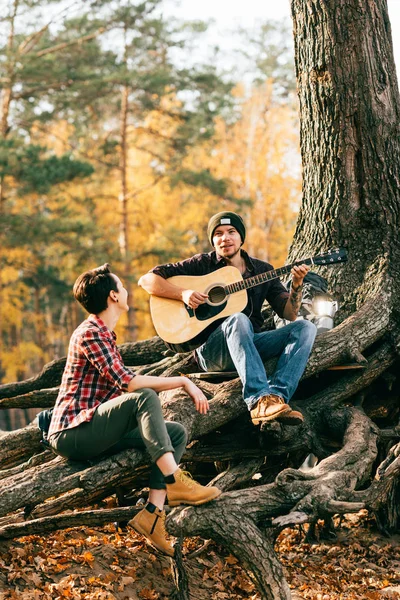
193	299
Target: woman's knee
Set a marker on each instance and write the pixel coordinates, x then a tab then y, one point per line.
147	398
177	433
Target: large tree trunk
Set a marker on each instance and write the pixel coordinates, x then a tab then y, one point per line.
350	109
350	145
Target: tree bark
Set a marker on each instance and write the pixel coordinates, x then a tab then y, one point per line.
350	115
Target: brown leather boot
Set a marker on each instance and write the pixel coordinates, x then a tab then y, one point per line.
152	526
182	489
268	408
294	417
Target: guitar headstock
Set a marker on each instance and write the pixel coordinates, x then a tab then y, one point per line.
337	255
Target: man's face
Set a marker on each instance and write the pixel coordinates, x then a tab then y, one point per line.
226	241
122	294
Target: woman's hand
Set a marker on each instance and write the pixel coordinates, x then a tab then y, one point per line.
199	399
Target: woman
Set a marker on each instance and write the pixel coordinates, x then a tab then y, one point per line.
103	407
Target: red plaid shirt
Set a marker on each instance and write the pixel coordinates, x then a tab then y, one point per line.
93	374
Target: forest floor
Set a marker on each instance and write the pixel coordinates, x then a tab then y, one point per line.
105	564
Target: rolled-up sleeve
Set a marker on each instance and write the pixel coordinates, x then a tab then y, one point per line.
102	353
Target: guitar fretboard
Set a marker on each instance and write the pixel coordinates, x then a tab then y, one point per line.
244	284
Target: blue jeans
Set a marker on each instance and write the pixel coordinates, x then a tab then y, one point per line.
234	345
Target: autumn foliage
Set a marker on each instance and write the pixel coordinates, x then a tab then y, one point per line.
124	163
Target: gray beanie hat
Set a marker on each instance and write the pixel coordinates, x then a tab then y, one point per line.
226	218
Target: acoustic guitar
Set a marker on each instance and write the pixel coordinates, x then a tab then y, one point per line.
183	328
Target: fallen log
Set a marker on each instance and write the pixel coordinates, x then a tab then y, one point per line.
232	478
91	518
44	398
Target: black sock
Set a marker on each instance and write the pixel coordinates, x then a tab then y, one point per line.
169	478
150	507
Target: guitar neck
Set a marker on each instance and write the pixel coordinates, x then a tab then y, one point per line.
245	284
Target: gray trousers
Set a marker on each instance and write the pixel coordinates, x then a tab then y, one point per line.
133	420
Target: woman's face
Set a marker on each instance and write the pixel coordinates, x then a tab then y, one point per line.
122	294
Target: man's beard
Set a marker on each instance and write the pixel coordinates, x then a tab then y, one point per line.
230	256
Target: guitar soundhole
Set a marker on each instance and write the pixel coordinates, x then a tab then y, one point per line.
216	294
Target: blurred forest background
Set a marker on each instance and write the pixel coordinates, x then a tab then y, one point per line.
117	143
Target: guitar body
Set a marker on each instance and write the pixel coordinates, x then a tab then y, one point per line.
184	329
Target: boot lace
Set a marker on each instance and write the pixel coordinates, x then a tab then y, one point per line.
187	479
162	524
276	399
270	400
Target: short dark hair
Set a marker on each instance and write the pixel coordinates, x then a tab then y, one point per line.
92	288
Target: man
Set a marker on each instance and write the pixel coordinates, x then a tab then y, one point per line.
238	342
102	407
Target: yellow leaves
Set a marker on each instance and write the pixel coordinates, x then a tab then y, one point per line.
57	134
13	295
8	274
15	360
261	156
257	156
88	558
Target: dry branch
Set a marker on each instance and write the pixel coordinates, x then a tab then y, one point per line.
91	518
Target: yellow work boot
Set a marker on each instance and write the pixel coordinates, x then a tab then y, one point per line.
269	408
150	522
294	417
182	489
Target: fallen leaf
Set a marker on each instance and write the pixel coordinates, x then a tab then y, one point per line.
148	594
